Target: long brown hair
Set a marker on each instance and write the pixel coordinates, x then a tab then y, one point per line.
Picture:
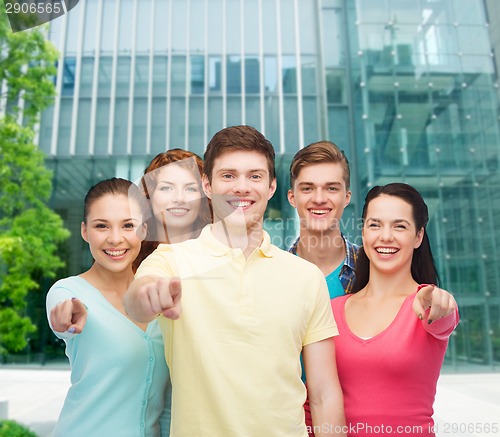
423	267
115	187
188	160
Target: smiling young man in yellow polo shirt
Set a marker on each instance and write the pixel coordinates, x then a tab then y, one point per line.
248	310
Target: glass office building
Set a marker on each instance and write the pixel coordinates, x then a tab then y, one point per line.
408	88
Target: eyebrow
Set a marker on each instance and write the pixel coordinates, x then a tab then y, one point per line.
373	219
326	184
254	170
106	221
172	183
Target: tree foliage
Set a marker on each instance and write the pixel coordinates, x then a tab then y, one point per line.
29	229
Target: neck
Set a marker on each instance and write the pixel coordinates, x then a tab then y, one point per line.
325	249
173	235
246	239
103	279
381	284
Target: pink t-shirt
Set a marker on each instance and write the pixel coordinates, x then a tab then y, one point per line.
389	381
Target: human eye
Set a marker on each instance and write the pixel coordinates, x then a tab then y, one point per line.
129	225
165	188
227	176
100	226
306	189
373	225
400	226
192	189
256	177
333	189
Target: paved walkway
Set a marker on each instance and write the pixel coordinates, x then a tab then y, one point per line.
467	405
35	396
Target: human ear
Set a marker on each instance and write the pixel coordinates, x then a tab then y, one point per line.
207	188
348	195
272	188
142	231
83	231
420	238
291	198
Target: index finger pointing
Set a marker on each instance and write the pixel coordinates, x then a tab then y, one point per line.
175	288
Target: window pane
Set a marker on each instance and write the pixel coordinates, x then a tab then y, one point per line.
289	74
83	128
196	140
177	123
102	127
158	126
119	140
233	76
252	75
178	84
139	126
233	111
214	74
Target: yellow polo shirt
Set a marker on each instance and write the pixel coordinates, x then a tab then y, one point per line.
234	354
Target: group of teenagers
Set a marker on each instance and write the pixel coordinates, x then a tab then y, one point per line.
191	323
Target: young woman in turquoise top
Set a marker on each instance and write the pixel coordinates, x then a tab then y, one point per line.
120	382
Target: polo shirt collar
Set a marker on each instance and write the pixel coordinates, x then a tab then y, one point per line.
266	248
217	248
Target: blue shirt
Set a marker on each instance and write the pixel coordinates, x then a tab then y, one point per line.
120	383
335	287
341	280
347	271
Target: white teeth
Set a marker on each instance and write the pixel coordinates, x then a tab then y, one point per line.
319	211
241	203
115	252
177	210
386	250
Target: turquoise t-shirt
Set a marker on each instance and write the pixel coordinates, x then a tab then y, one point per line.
335	289
333	281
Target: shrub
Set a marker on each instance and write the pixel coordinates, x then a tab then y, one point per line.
9	428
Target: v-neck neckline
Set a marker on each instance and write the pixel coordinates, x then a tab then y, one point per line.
381	333
113	308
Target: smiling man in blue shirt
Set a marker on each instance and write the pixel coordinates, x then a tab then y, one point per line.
319	190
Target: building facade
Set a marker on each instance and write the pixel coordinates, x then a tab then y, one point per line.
408	88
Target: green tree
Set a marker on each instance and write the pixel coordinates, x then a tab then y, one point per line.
29	229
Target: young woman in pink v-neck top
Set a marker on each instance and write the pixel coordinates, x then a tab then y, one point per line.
394	328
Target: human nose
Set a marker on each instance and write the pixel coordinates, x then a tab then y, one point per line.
386	233
115	236
319	196
179	196
241	185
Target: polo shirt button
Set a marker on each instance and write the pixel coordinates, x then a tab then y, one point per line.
148	381
146	337
142	424
151	359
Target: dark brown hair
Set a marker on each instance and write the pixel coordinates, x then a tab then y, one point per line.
423	268
115	187
244	138
185	159
320	152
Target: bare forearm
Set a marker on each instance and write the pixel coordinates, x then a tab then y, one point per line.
323	387
328	416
